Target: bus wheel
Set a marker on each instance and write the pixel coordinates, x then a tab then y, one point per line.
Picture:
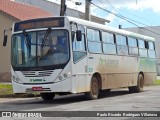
140	84
47	96
94	89
103	93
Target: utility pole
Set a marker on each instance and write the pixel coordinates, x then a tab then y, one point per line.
87	10
63	7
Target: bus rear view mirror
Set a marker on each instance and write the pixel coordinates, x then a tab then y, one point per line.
79	35
5	40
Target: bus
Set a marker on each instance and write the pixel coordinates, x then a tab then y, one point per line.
67	55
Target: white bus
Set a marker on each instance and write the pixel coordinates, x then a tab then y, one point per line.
62	55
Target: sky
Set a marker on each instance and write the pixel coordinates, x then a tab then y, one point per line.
144	12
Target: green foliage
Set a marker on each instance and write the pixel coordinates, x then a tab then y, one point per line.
6	89
156	82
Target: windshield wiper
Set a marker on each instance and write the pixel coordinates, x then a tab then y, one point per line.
26	38
44	42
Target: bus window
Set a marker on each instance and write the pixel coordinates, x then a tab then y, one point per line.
122	48
108	43
151	50
94	43
121	40
151	45
141	44
107	37
79	47
132	43
142	49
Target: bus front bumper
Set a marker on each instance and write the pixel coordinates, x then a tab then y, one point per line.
62	86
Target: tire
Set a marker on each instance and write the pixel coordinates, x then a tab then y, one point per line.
47	96
131	89
104	93
140	85
94	89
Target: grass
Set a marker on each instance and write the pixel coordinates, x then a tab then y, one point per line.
6	89
156	82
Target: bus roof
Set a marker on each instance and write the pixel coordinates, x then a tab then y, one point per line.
88	24
109	29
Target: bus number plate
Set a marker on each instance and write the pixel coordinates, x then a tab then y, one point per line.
37	89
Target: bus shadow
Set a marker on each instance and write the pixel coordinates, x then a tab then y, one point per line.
73	98
38	103
119	92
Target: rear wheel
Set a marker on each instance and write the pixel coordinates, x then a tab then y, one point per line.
94	89
140	85
47	96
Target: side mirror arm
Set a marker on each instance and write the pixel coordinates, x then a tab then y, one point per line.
5	37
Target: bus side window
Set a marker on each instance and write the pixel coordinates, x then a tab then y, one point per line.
109	46
94	41
151	50
79	47
142	48
133	48
122	48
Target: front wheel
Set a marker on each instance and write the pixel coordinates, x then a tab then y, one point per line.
94	89
47	96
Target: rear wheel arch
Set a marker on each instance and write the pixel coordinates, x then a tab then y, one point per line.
141	73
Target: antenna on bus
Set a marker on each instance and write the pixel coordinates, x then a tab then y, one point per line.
120	26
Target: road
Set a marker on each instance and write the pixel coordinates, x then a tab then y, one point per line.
117	100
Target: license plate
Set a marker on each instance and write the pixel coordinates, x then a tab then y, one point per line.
37	89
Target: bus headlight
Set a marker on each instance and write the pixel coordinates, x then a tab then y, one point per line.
64	76
60	77
16	79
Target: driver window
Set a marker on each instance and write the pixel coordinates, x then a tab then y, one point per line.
79	47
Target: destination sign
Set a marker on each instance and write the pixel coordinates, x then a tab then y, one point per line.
39	23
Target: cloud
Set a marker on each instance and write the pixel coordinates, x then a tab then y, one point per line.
110	17
139	5
130	4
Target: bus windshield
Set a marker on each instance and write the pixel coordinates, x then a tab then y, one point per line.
40	48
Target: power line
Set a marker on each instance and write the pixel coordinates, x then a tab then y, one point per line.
139	17
126	19
129	18
111	16
115	9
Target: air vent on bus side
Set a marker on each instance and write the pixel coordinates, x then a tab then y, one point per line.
37	73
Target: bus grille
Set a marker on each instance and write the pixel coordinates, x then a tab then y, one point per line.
37	73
